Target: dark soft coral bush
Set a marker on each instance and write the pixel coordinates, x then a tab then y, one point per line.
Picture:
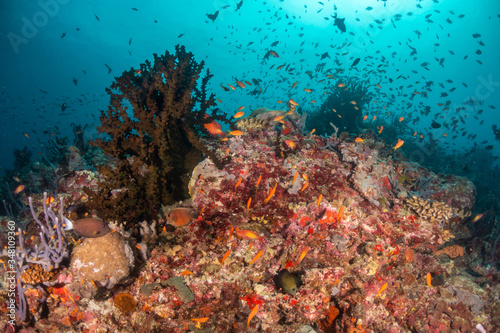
151	133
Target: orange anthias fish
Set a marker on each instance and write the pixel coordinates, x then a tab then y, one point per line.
180	217
401	119
293	102
290	144
339	214
19	189
250	235
429	279
477	218
398	144
341	85
214	128
307	90
238	183
252	314
382	288
239	114
294	84
302	255
198	321
236	133
258	181
231	86
257	256
320	197
225	257
186	272
240	84
240	108
271	193
359	140
380	130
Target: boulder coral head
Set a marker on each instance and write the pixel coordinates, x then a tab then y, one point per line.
151	131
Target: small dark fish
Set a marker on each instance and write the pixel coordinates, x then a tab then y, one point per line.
75	81
97	17
213	16
435	125
130	41
356	61
490	147
180	35
109	68
369	8
134	9
476	35
63	35
64	106
339	23
239	4
496	131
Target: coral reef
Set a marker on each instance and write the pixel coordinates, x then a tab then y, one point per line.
152	130
296	233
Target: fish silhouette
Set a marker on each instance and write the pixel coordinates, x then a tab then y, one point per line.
213	16
339	22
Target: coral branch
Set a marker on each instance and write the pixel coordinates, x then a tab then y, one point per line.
151	128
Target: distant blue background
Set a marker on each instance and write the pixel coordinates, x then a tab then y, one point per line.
41	60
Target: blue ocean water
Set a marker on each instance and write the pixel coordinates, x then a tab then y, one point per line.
434	60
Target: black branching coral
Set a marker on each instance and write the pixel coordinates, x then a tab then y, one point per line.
151	133
343	108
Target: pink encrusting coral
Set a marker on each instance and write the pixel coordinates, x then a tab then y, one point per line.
355	227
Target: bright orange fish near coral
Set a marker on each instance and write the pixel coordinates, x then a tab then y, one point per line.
214	128
248	234
19	189
180	217
398	144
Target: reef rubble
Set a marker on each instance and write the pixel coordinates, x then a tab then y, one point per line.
368	247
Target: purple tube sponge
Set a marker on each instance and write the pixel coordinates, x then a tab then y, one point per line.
49	254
